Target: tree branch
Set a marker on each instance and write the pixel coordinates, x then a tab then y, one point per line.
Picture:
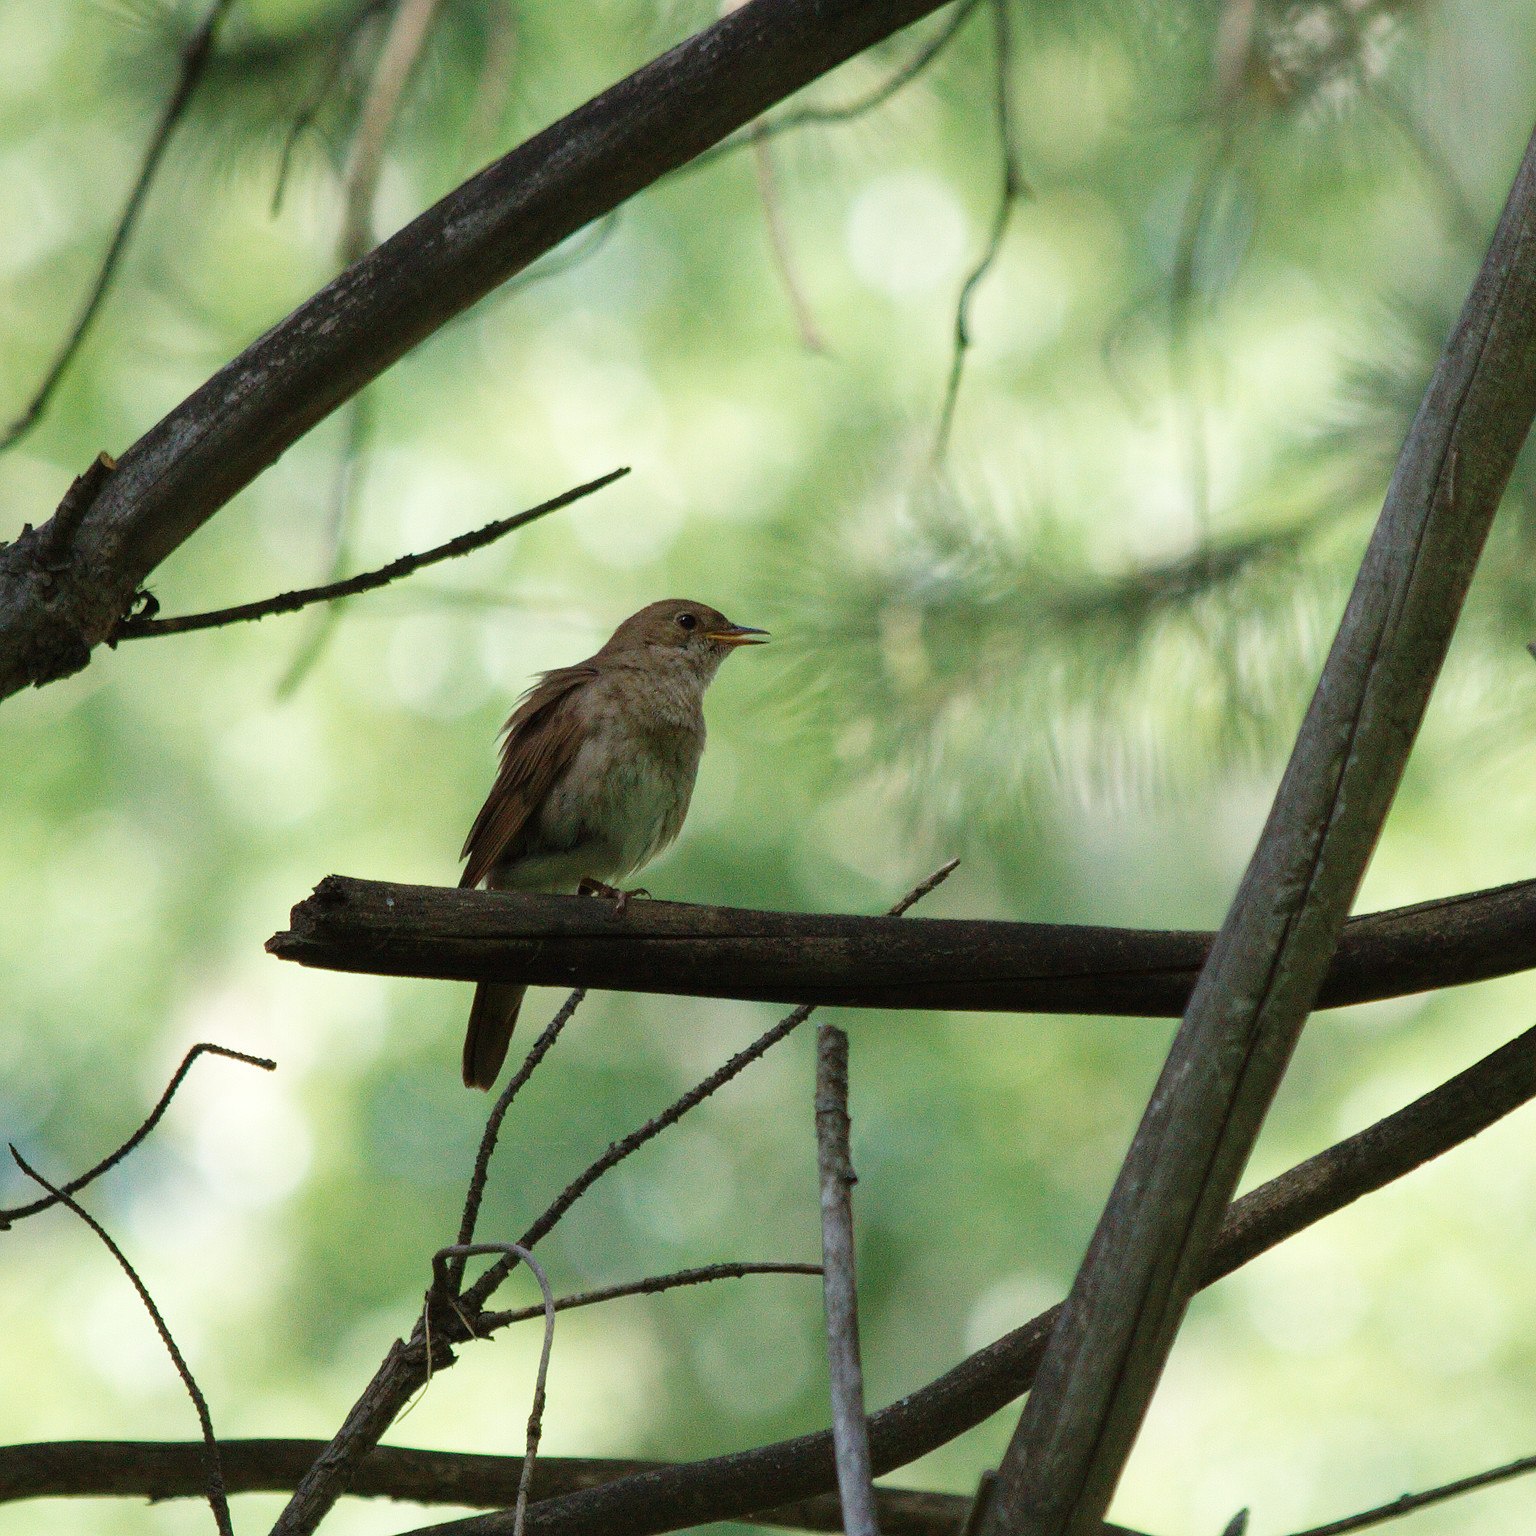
499	221
868	962
1268	963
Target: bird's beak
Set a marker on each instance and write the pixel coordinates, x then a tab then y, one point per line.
737	634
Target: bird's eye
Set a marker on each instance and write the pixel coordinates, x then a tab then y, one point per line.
687	621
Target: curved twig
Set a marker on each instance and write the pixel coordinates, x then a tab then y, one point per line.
19	1212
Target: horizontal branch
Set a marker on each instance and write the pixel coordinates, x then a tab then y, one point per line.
173	479
867	962
162	1469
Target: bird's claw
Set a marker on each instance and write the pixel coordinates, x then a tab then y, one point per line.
620	899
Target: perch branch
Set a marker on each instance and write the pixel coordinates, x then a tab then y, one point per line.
869	962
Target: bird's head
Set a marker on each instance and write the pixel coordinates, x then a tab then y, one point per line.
678	628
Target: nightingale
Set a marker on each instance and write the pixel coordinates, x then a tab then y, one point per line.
597	768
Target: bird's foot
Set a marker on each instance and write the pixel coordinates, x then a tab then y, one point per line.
620	899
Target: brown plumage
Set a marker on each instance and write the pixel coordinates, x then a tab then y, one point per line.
597	769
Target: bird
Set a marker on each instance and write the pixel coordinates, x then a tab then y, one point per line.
597	768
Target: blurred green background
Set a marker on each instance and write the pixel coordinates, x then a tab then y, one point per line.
1074	657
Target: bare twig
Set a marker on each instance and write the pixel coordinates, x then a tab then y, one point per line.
489	1322
444	1287
304	118
476	1192
859	106
1013	188
53	548
850	1433
778	243
136	628
1408	1502
19	1212
218	1501
194	60
409	29
619	1150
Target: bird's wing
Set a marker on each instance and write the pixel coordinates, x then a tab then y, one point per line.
540	743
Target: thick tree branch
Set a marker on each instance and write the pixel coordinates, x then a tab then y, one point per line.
1268	964
870	962
218	440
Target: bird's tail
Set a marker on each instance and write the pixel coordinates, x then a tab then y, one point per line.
491	1022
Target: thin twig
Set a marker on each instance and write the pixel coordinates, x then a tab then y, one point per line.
135	628
489	1322
850	1428
19	1212
218	1501
476	1192
778	243
1412	1501
194	60
330	71
1013	188
847	112
512	1252
617	1151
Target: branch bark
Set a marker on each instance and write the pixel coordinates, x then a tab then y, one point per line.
1268	963
868	962
221	437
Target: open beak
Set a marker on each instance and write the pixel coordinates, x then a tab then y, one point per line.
738	634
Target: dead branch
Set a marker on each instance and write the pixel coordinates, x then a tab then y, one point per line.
834	1159
19	1212
493	1122
194	60
213	1476
652	1285
1268	964
493	226
1409	1502
869	962
138	627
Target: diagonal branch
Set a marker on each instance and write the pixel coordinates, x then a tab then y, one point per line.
490	228
1268	964
138	627
869	962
